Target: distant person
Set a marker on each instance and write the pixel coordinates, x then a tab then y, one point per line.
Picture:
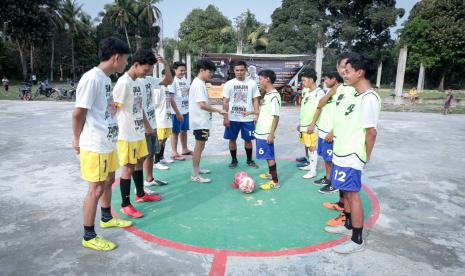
34	79
5	83
449	98
413	95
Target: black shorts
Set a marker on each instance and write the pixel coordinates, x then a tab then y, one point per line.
201	134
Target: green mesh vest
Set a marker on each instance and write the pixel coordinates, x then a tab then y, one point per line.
265	119
348	129
308	107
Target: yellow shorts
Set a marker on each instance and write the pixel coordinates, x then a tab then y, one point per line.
164	133
130	152
95	167
308	139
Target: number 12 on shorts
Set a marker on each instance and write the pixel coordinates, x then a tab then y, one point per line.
339	176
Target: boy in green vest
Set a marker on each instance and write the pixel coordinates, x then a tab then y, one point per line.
265	129
355	133
307	134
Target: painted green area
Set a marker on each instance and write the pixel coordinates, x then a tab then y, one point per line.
217	216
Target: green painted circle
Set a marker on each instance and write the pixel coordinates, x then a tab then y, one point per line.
217	216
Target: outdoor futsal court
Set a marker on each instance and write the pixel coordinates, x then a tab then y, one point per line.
413	200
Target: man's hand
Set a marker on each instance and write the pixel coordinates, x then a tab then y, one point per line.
255	119
75	145
311	128
247	113
226	122
223	112
179	117
149	131
159	58
329	138
270	139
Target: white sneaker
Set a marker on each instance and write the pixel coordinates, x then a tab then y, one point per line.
306	168
148	191
166	161
160	166
341	229
349	247
148	184
200	179
204	171
310	174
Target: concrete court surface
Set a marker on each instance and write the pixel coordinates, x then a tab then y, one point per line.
416	172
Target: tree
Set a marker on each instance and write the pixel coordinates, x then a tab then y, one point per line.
435	34
149	13
26	23
122	13
245	24
207	31
259	39
71	13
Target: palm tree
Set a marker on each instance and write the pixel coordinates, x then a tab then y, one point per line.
258	38
122	12
57	24
148	12
71	12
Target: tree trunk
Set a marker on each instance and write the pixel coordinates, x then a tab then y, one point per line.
32	59
441	83
72	58
23	60
52	58
127	37
378	76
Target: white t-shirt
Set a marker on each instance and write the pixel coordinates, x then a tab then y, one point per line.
181	97
240	95
198	118
100	130
370	116
128	94
151	83
162	101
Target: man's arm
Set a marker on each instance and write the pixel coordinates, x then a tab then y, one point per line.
205	106
168	77
274	126
179	116
256	107
148	128
370	139
78	121
226	107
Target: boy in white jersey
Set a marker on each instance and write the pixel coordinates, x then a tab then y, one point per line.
151	84
240	95
132	146
181	118
201	116
307	132
95	131
355	135
162	100
265	130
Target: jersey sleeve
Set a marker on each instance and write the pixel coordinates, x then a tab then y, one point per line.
275	106
226	92
86	93
201	94
370	111
120	92
255	90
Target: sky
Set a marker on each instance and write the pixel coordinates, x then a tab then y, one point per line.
175	11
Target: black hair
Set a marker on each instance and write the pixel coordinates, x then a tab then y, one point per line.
178	64
308	73
365	63
205	64
111	46
144	57
345	55
240	63
333	74
268	74
171	69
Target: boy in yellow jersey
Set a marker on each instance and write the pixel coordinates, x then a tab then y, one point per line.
132	146
354	129
265	129
307	133
95	131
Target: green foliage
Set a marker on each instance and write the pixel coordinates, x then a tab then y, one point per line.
207	31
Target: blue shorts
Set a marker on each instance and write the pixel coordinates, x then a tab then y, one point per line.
325	149
346	179
246	129
264	150
180	126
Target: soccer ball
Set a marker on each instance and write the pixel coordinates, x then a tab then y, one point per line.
247	185
238	176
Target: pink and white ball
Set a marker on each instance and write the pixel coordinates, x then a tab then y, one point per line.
247	185
238	176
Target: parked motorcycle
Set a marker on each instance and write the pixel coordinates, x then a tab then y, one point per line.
25	91
44	89
63	94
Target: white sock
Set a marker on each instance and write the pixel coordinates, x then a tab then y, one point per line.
313	160
195	171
